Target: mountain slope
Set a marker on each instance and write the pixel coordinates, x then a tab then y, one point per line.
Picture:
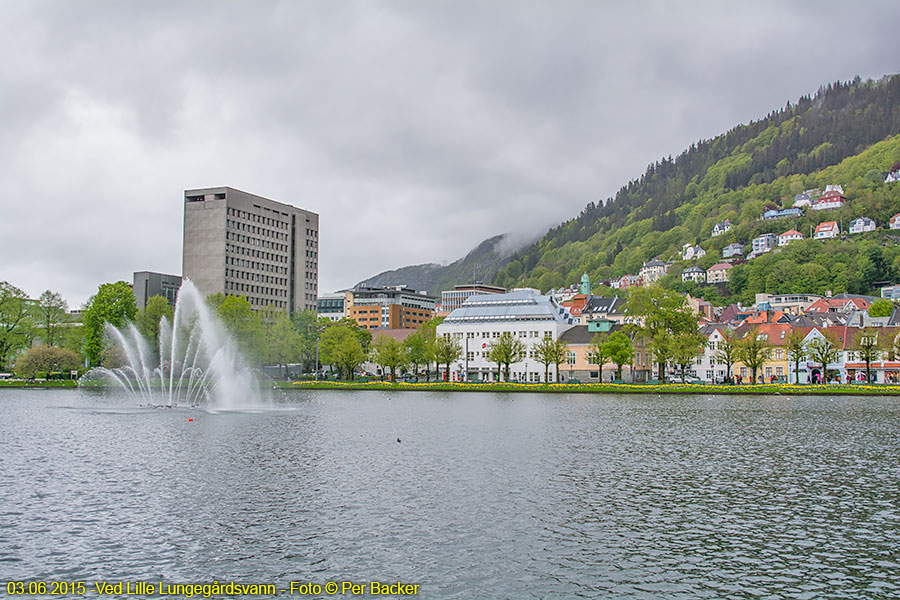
732	176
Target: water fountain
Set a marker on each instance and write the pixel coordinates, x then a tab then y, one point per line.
197	364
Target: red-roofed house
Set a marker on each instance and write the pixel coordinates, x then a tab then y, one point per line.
828	229
829	200
838	305
895	221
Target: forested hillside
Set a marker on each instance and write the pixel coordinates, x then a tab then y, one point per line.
848	134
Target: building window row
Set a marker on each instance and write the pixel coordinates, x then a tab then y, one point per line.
248	216
259	231
252	264
256	254
234	286
237	274
252	241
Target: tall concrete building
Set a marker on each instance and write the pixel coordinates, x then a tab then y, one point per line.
241	244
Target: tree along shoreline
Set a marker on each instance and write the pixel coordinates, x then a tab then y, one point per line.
775	389
605	388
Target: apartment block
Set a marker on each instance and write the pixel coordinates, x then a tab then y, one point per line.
241	244
388	307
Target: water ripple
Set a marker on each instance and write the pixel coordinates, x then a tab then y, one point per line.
504	496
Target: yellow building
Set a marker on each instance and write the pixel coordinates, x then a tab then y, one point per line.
778	363
578	365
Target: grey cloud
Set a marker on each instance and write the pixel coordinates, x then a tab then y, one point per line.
416	129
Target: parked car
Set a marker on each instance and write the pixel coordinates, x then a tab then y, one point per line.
687	379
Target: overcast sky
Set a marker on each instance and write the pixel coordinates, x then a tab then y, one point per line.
416	129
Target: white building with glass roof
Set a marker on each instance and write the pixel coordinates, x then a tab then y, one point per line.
525	313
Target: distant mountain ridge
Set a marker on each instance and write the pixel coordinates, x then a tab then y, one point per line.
481	264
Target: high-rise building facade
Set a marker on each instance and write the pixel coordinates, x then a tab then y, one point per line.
241	244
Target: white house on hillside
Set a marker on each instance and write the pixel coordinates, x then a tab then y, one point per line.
828	229
829	201
861	225
721	228
789	236
694	273
689	252
652	271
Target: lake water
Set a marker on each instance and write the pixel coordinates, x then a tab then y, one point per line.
483	496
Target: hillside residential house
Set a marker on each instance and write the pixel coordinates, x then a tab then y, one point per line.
834	188
895	221
689	252
737	249
718	273
829	201
891	292
482	319
652	271
861	225
802	200
838	305
695	274
781	213
828	229
721	228
789	236
892	177
764	243
625	281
